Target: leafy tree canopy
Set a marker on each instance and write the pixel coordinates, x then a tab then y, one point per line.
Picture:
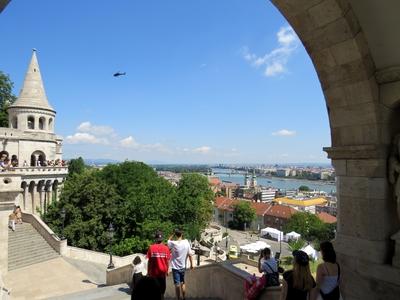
6	98
243	213
304	188
310	227
135	200
76	166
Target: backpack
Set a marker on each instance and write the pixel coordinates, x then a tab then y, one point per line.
272	279
335	293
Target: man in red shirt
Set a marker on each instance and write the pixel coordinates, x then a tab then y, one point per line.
158	257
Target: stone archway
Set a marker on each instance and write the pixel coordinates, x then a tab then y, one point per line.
360	135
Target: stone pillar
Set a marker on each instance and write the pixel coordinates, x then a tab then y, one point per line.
49	195
41	197
32	201
366	221
26	198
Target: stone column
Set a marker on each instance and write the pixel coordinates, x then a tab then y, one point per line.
365	222
32	201
41	197
25	198
48	196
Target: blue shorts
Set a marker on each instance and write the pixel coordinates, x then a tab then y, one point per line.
178	276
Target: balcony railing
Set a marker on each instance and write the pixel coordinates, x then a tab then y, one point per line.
36	170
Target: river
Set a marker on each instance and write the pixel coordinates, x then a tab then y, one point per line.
277	182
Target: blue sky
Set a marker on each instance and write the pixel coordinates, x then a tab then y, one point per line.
207	81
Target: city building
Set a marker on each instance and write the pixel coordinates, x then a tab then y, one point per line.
306	204
282	172
326	218
291	193
267	194
247	182
253	183
229	189
267	214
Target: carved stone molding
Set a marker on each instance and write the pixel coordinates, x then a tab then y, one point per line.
387	75
357	152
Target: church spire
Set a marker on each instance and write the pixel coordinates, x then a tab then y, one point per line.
32	94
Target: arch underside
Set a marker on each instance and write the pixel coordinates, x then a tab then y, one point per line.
362	123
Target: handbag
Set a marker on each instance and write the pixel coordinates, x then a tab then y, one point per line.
335	293
272	279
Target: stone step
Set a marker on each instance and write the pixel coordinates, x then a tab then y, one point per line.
27	247
21	255
21	240
31	261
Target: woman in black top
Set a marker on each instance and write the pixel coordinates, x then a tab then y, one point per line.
298	283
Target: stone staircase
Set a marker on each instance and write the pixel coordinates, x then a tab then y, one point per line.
27	247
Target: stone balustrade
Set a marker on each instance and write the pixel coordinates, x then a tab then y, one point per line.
218	280
37	170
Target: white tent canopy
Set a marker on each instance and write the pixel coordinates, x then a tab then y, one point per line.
310	252
292	236
254	247
274	233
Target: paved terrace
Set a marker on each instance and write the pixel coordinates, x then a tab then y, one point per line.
54	278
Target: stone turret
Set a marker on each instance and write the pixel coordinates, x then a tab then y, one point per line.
32	111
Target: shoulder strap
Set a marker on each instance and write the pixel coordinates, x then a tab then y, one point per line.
338	270
269	267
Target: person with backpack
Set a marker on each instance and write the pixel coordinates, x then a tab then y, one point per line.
268	266
328	274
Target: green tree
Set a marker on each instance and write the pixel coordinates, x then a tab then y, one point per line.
90	206
136	200
304	188
243	213
6	98
76	166
193	204
296	244
310	227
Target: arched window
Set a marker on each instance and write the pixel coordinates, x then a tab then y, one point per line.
38	159
31	122
51	124
42	121
14	122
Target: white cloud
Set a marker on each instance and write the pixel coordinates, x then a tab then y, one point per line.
131	143
202	150
85	138
276	60
95	129
284	132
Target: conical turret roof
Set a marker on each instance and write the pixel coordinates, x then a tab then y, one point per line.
32	94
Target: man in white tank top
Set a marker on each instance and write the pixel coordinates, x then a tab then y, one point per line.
180	251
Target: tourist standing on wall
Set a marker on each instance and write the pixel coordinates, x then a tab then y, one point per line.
158	257
180	252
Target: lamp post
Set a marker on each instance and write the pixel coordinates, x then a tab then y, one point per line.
280	234
110	233
62	215
226	238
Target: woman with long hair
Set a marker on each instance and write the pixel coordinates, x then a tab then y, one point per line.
298	283
328	274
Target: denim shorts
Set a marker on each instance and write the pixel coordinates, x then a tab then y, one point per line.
178	276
